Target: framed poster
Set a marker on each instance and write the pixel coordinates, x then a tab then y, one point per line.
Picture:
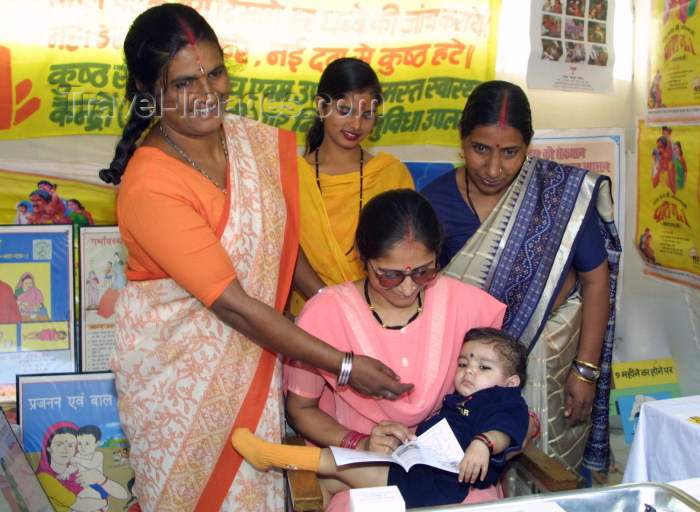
37	330
668	202
102	276
597	149
630	407
74	418
19	485
673	85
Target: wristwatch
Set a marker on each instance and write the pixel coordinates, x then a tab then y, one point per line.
586	370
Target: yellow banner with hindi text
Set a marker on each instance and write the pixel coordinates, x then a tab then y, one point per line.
62	73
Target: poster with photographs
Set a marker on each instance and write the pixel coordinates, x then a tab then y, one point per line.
571	45
74	441
102	276
21	490
36	303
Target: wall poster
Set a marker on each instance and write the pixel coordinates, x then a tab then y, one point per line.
74	418
596	149
668	203
571	45
102	276
674	63
37	332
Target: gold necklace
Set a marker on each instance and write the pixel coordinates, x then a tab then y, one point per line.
192	163
318	182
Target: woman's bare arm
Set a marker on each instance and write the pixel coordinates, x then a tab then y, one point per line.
306	279
315	425
272	330
595	299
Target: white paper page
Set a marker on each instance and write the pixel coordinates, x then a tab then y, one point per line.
440	447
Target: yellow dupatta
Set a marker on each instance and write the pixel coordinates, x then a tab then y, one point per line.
328	217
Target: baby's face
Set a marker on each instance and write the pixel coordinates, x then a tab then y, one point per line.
86	444
480	367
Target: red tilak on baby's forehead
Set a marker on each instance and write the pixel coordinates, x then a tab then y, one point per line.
193	43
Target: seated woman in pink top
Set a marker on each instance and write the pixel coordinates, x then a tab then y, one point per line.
403	313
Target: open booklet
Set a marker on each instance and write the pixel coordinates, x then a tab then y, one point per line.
437	447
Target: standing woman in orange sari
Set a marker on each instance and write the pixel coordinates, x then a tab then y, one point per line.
208	210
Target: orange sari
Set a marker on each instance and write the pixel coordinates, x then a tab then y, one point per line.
185	379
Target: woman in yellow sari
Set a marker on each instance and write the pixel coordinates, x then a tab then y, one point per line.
337	176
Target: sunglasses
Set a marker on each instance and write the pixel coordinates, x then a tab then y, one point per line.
421	275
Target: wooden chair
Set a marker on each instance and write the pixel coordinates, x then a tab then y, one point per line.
534	471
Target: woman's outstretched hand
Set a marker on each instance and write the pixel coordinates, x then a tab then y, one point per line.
374	378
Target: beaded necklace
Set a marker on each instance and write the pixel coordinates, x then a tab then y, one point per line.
318	182
192	162
378	318
469	198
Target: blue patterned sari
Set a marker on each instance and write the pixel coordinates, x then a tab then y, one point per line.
521	255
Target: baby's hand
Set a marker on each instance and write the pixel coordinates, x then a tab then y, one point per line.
65	475
475	462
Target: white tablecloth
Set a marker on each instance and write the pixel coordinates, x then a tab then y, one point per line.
690	487
666	444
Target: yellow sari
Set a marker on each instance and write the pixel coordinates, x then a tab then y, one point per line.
328	217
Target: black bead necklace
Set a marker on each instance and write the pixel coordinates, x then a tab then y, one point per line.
318	182
378	318
469	198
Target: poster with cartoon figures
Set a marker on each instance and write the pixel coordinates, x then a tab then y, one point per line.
674	63
74	441
631	406
102	277
571	45
36	302
37	199
668	206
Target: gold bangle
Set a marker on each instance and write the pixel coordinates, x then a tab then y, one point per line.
584	379
587	365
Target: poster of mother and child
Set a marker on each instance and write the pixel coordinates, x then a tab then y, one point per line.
72	436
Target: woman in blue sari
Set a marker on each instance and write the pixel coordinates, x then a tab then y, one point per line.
539	236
